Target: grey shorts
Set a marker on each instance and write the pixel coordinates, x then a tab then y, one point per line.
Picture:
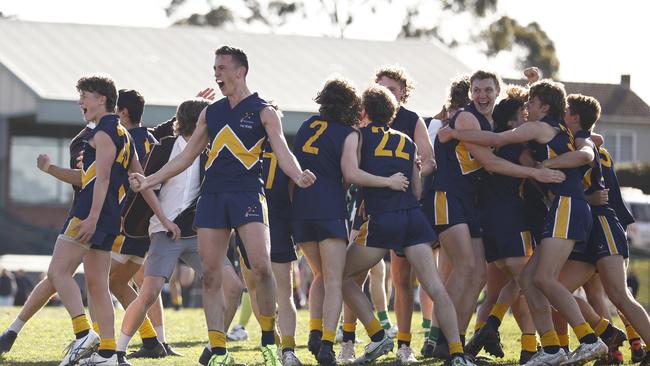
164	253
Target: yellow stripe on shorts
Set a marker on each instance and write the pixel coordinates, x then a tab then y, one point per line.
71	230
562	218
611	244
527	242
441	208
118	243
362	237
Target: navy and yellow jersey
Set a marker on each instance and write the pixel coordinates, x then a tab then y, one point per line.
561	143
384	152
318	146
501	198
611	183
236	139
405	122
76	149
592	180
458	172
143	140
276	184
109	218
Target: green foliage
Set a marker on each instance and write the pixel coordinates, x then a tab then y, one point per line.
505	33
635	175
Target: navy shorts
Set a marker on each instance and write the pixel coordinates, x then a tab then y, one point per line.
607	238
131	246
396	230
101	240
228	210
427	204
319	230
568	218
283	249
508	245
450	210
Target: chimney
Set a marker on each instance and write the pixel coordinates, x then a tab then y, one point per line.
625	81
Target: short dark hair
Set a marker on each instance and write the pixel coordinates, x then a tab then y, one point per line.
482	75
339	102
551	93
380	104
458	93
506	110
187	114
132	101
588	108
100	84
238	55
398	74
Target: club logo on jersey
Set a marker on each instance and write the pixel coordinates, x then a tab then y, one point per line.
246	121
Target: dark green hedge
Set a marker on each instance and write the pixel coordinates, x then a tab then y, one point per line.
634	175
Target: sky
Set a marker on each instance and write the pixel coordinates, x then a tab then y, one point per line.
595	40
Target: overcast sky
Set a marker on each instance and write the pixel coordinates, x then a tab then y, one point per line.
596	40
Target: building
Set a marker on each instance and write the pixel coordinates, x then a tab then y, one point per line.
41	62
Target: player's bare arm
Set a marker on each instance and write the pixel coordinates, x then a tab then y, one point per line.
423	143
583	155
287	161
70	176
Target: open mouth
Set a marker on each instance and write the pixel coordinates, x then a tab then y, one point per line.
483	104
220	83
84	110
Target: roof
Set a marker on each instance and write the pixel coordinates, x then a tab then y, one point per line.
615	99
169	65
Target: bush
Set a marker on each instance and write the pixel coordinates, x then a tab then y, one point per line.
635	175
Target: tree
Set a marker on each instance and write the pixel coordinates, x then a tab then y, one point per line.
501	35
506	33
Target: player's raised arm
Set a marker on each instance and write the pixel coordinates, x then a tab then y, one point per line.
70	176
287	161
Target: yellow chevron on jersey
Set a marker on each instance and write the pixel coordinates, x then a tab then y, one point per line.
273	163
226	138
88	175
466	161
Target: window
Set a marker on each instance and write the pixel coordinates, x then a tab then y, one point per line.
621	144
27	184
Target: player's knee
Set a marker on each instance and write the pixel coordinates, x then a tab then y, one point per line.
542	282
262	270
211	279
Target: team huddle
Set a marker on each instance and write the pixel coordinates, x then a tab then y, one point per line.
507	187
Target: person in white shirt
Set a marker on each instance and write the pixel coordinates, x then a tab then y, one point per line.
177	196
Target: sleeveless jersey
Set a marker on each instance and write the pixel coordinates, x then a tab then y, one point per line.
318	146
109	218
561	143
276	184
458	173
405	122
384	152
236	139
142	140
611	182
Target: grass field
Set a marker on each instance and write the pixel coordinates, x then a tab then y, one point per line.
43	339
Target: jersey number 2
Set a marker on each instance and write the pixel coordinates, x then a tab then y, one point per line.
381	148
307	147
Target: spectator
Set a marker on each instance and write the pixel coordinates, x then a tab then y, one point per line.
24	287
7	288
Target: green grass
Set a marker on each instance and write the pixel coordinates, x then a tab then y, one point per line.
45	336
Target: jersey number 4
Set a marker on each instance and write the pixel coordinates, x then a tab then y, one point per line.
321	127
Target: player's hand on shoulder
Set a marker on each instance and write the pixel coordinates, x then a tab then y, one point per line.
138	182
398	182
306	179
445	134
546	175
43	162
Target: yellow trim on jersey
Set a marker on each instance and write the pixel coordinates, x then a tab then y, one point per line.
118	243
273	164
586	179
611	243
88	175
121	194
441	208
227	138
265	209
362	237
71	230
562	218
147	147
527	242
605	157
466	162
124	155
550	152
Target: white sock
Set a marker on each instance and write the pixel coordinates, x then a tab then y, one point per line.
17	325
123	342
160	333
